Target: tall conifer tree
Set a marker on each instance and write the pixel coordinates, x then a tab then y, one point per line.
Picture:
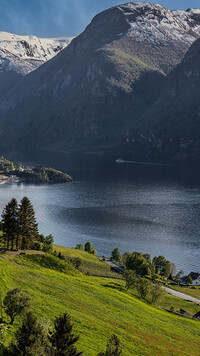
62	339
30	339
28	227
10	223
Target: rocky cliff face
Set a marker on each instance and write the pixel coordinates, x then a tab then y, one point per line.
96	91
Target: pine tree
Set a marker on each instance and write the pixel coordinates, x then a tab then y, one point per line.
28	228
62	339
10	223
113	347
30	339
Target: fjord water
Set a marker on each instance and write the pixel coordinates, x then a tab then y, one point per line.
137	207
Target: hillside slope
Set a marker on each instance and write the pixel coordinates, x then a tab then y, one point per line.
98	88
100	307
171	128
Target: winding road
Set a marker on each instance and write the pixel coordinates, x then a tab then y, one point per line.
167	290
182	295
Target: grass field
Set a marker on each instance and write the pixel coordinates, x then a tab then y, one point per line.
90	265
99	307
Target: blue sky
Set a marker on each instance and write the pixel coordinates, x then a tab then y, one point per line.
54	18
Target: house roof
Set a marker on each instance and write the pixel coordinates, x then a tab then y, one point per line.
183	312
197	315
193	275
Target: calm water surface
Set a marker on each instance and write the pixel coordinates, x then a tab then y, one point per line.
138	208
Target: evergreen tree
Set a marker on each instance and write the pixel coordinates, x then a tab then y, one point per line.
113	347
30	339
116	255
27	223
10	224
62	339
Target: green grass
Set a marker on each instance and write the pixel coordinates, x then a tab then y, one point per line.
100	307
46	261
90	264
193	291
167	301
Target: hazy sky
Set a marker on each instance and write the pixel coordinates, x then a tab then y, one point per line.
53	18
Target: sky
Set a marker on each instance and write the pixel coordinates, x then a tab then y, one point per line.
58	18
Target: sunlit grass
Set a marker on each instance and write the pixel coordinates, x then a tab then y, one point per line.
100	307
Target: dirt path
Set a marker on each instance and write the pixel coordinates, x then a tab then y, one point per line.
182	295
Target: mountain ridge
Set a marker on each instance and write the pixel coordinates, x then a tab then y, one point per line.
95	92
24	53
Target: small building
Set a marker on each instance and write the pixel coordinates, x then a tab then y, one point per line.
195	279
184	313
197	316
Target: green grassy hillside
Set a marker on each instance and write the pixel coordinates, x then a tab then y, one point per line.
99	307
90	265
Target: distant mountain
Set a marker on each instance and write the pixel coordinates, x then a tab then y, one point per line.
95	93
23	54
20	55
171	127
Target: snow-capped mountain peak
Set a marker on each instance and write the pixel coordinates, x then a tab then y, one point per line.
158	25
23	54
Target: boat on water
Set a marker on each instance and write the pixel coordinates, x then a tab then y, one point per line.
120	160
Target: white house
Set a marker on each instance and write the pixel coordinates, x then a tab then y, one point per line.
195	278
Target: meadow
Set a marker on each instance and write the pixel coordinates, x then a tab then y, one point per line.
99	307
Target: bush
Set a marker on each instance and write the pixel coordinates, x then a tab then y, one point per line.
116	255
48	244
76	262
90	249
49	261
37	246
130	279
79	247
143	287
156	292
61	256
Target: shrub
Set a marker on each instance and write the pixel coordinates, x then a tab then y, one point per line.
79	247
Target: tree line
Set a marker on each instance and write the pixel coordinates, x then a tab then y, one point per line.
143	265
19	224
35	337
20	228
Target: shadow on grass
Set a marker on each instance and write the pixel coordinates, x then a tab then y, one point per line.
112	285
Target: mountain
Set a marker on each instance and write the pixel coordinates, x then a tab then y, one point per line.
171	127
23	54
98	89
20	55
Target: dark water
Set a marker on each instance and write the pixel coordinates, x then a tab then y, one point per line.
154	209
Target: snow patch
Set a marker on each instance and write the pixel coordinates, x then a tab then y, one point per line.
158	25
23	54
